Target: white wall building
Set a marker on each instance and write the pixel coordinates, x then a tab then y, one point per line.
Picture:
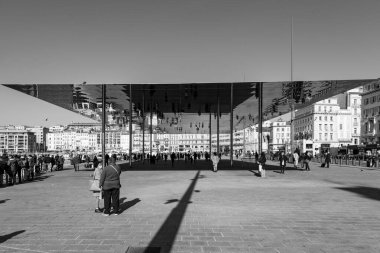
329	123
17	141
280	136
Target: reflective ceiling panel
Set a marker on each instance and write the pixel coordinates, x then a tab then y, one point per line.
186	107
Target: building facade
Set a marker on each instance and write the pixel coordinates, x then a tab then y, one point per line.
370	112
279	132
329	123
17	141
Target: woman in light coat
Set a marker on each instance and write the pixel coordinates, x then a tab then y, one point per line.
97	194
215	160
296	158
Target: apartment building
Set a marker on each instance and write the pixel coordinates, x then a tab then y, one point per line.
14	140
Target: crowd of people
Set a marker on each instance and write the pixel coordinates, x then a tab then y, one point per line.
26	167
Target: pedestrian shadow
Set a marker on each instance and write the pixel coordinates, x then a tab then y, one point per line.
167	233
126	205
367	192
37	179
256	173
4	238
4	200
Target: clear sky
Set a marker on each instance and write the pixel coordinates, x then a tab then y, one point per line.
20	109
168	41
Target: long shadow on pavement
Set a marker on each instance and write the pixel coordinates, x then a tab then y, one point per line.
368	192
4	238
3	201
167	233
126	205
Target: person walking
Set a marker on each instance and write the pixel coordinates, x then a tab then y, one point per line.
76	161
328	159
261	161
296	158
172	158
97	194
110	184
256	157
215	160
307	161
283	159
95	162
32	167
106	159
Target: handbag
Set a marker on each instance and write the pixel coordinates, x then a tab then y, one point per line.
94	185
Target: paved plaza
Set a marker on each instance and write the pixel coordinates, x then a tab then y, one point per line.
189	208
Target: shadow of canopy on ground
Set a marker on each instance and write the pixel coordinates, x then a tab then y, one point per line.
198	165
4	238
364	191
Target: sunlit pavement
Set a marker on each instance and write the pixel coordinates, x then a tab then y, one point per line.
193	209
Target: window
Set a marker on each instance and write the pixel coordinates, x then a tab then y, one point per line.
325	136
319	108
355	141
330	109
340	126
331	136
320	127
320	118
328	101
355	101
320	136
325	118
331	127
331	118
325	127
355	130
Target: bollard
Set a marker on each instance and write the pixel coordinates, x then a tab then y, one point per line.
340	161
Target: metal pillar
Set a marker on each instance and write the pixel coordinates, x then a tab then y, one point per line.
244	140
151	128
210	133
130	125
232	125
291	104
143	125
260	117
217	124
103	124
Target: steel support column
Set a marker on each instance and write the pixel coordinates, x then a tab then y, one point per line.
130	125
151	129
232	125
217	123
103	124
210	133
260	117
143	125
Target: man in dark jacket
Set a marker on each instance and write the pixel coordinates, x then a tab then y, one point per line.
283	159
328	159
110	184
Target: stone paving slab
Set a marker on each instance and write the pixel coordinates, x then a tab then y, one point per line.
192	209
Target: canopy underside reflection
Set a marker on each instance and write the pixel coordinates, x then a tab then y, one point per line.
186	107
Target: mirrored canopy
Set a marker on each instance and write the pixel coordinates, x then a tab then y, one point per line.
186	107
